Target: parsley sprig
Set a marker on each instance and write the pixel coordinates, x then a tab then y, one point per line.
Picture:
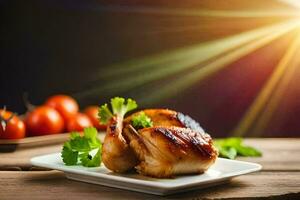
119	107
233	146
81	149
141	120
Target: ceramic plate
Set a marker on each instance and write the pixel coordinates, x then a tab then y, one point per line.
222	171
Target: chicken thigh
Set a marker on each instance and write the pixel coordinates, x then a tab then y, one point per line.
169	151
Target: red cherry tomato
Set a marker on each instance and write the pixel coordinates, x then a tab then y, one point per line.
44	120
14	127
65	105
78	122
92	113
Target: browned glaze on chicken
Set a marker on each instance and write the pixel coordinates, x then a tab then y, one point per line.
168	151
116	152
166	117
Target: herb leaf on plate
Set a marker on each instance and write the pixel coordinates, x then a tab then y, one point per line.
82	148
68	155
91	161
233	146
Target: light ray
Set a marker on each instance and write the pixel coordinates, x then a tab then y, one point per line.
213	67
208	48
195	12
179	60
262	98
274	100
295	3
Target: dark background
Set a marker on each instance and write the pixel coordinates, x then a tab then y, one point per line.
51	47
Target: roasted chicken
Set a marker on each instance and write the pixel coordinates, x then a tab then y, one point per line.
174	144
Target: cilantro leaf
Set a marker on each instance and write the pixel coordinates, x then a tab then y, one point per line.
80	144
91	135
79	148
69	156
232	147
91	161
141	121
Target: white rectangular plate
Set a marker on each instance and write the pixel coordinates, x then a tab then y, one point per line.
223	170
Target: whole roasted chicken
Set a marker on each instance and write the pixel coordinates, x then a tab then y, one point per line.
156	142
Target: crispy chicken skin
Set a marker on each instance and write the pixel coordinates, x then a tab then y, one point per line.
166	117
116	152
167	151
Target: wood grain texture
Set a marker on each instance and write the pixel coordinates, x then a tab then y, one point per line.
32	142
53	184
279	154
45	139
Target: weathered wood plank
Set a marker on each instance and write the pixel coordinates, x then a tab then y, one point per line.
278	155
54	185
21	159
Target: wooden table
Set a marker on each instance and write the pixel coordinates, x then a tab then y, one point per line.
279	179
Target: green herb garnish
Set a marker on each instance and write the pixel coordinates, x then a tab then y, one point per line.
232	147
84	150
141	120
119	106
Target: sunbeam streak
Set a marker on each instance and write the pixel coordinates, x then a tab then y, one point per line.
157	67
264	119
272	91
207	49
215	66
192	12
295	3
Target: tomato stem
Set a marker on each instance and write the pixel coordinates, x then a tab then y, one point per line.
28	105
3	121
